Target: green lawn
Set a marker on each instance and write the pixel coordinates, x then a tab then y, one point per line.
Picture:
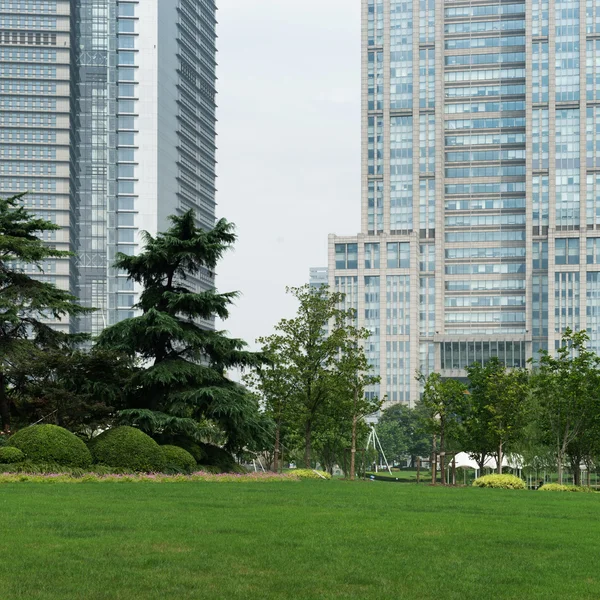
308	540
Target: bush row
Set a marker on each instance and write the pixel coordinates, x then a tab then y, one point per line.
558	487
122	448
199	476
506	482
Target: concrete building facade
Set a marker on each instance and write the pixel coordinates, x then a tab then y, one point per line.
480	184
107	119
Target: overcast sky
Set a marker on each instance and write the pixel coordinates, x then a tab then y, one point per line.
289	146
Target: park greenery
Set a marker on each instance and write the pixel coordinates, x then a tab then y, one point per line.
153	392
310	540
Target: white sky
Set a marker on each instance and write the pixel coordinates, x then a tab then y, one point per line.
289	146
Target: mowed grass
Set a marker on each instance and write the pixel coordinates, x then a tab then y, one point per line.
308	540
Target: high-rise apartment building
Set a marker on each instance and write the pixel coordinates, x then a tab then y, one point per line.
480	184
107	119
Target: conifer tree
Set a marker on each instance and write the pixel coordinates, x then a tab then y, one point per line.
183	387
27	305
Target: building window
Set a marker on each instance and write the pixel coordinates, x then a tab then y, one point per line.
567	251
346	256
398	255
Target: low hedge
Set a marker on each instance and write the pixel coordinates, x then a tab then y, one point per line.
559	487
310	474
53	444
505	482
128	448
178	459
198	477
10	454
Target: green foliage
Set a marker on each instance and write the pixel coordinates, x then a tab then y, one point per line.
25	302
566	387
50	443
505	482
10	454
79	389
184	384
498	410
317	373
401	433
220	458
178	459
558	487
128	448
310	474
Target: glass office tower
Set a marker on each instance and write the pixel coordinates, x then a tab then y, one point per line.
107	119
481	184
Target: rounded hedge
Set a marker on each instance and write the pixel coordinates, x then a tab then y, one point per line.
178	458
9	454
505	482
51	444
310	474
128	448
559	487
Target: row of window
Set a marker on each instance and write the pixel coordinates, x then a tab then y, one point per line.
485	155
494	58
486	9
484	268
510	235
501	252
501	123
487	204
479	107
483	74
483	301
476	285
485	90
485	188
398	255
486	139
485	42
474	26
496	171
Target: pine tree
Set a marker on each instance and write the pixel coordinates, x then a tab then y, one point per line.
27	305
182	387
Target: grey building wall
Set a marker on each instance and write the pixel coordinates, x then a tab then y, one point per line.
480	184
37	122
108	120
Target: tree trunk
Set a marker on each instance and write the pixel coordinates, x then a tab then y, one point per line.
433	462
575	466
418	469
499	465
559	464
454	470
442	456
276	450
307	443
4	405
353	445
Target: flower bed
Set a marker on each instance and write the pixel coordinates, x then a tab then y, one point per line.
200	476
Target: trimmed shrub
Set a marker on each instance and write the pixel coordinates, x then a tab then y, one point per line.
178	459
505	482
128	448
51	444
218	457
9	455
310	474
558	487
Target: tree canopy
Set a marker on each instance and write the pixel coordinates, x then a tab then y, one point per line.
182	386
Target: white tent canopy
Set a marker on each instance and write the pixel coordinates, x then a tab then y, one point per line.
512	461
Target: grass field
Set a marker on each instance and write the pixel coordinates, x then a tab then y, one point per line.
307	540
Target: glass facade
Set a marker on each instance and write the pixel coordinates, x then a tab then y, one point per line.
481	180
71	129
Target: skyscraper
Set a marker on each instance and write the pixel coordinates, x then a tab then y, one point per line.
108	120
481	184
